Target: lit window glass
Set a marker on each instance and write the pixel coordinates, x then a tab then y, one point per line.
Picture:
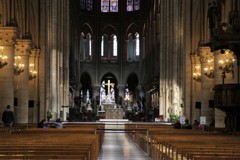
113	5
137	45
105	5
102	46
133	5
114	45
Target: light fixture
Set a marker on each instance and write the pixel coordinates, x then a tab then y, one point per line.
209	71
197	74
3	58
18	67
227	63
32	72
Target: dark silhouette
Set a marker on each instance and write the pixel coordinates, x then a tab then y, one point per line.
42	124
8	117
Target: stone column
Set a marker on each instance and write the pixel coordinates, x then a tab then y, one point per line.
33	85
95	97
23	49
121	91
207	67
7	40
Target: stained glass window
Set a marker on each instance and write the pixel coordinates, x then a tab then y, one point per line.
113	5
105	5
89	5
133	5
82	4
86	5
109	5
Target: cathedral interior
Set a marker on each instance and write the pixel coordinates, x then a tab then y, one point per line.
154	59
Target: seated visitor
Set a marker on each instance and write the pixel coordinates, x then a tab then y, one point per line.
58	124
42	124
187	125
177	125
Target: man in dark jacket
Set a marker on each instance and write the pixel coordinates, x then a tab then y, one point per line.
7	117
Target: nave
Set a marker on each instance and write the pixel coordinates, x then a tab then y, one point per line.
118	146
121	141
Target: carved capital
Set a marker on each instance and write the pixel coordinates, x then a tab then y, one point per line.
8	36
35	52
23	47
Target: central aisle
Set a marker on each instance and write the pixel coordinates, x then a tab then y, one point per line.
118	146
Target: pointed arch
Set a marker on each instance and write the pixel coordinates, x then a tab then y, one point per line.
86	43
132	83
133	45
86	90
109	44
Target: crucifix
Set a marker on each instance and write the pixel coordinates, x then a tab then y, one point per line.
109	85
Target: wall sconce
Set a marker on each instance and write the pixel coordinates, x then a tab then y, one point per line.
226	64
3	58
197	74
18	67
208	71
32	72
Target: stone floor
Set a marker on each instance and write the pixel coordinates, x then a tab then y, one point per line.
118	146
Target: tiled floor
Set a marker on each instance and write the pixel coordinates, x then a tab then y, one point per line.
118	146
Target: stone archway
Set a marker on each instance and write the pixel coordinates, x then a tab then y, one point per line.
109	85
86	89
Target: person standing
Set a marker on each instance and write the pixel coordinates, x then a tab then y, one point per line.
8	117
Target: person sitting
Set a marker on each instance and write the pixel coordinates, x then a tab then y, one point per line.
42	124
196	123
177	125
58	124
187	125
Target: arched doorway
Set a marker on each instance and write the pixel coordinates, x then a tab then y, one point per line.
131	87
86	89
108	89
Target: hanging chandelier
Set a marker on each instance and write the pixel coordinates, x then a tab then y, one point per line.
3	58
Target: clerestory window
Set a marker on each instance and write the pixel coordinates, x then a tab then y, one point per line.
109	5
86	5
133	48
133	5
85	47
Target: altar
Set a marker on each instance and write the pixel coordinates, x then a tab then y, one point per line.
108	108
109	111
114	113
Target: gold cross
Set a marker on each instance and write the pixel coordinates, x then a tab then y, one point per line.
109	85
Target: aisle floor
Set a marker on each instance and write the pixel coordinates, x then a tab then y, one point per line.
118	146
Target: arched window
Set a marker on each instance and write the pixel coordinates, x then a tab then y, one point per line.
137	47
82	47
85	47
86	5
104	48
133	48
88	47
133	5
109	5
115	46
130	49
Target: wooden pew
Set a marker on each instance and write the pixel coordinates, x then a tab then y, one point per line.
36	143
